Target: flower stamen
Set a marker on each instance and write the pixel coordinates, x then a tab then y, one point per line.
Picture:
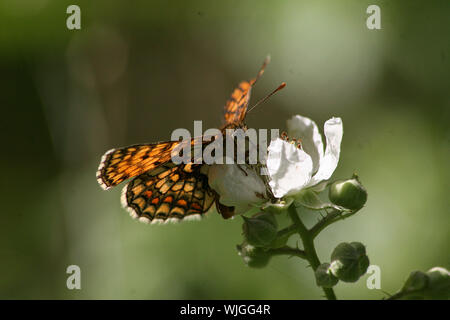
294	141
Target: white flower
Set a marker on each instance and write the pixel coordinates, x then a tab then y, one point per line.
292	169
238	186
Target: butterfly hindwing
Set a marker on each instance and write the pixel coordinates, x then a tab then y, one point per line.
177	193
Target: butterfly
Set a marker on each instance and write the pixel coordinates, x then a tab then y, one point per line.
161	191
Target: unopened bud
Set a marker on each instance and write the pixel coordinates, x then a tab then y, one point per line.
349	261
349	194
280	241
324	276
438	284
431	285
261	229
253	256
416	281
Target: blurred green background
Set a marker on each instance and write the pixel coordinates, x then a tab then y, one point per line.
139	69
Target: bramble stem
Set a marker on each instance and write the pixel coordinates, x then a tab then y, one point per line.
286	250
330	218
307	238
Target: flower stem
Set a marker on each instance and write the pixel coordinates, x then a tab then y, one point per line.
329	219
308	246
286	250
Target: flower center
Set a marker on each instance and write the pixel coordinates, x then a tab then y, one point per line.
294	141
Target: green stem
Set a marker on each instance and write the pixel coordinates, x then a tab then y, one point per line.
286	250
325	222
308	246
330	218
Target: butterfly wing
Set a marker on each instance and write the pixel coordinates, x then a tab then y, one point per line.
177	193
118	165
236	107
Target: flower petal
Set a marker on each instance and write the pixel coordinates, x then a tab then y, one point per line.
289	167
236	188
306	130
333	130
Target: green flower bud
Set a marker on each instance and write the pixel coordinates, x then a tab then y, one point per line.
349	261
279	242
416	281
431	285
261	229
253	256
324	277
438	284
349	194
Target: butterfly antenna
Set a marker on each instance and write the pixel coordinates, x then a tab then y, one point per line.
263	67
281	86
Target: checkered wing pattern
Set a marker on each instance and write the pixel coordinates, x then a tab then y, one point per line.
118	165
177	193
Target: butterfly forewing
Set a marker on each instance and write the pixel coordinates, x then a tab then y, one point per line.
118	165
236	107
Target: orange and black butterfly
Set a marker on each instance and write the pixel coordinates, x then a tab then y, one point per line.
161	191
